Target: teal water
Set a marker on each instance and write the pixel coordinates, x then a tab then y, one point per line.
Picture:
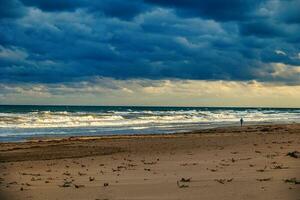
17	123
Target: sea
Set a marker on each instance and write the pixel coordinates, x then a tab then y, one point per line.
22	122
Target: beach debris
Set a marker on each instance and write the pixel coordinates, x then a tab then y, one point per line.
245	158
230	180
66	173
30	174
129	160
180	185
294	154
262	170
78	186
256	151
263	179
184	164
212	170
21	188
185	180
66	184
13	183
115	170
131	165
189	164
105	184
147	169
149	163
279	167
223	181
121	167
75	162
224	164
292	180
81	174
35	179
91	178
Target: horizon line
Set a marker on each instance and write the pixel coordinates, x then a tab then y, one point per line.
80	105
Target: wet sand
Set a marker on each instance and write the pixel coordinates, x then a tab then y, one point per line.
252	162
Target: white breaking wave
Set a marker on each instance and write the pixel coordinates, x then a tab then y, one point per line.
138	119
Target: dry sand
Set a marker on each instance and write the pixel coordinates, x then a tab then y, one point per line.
224	163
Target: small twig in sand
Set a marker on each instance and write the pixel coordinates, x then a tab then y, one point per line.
279	167
30	174
262	170
294	154
292	180
263	179
185	179
35	179
81	174
78	186
222	181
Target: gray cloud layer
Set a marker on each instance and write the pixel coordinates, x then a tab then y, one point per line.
55	41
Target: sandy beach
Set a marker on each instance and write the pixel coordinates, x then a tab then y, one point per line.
252	162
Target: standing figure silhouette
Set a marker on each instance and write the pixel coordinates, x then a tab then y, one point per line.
241	121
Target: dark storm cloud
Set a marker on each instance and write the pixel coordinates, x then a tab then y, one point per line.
113	8
289	11
63	41
262	29
11	9
214	9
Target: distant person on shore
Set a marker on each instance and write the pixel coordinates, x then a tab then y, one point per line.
241	121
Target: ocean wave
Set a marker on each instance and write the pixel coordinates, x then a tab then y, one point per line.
137	118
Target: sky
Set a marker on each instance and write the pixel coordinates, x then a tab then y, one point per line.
150	52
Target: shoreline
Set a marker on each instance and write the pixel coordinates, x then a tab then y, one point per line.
99	136
222	163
